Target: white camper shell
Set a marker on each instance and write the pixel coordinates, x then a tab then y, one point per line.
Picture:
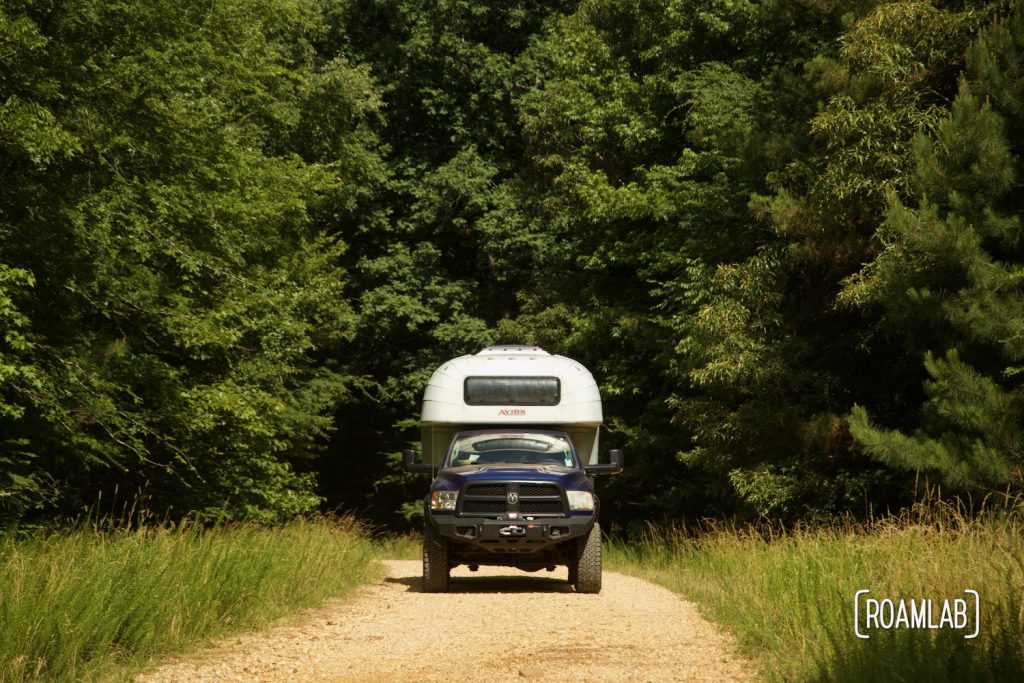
511	385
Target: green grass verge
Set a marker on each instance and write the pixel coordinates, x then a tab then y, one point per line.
399	546
85	604
789	596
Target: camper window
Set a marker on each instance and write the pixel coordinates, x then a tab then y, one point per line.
517	391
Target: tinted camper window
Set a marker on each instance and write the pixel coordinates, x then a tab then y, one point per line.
517	391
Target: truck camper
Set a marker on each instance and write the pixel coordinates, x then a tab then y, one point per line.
510	436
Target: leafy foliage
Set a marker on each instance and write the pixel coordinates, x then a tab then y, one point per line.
236	239
179	285
786	351
950	277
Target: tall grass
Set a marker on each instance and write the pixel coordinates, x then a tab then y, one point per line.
91	603
788	595
405	546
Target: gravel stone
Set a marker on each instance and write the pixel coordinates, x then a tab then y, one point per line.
497	624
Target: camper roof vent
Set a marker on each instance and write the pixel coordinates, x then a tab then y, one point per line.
520	349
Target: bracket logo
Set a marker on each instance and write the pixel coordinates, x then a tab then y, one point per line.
888	614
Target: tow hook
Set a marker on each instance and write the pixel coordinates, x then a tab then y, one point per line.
512	530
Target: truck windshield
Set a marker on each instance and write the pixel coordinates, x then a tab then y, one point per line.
510	448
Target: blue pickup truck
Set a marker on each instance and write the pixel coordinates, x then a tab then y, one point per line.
511	487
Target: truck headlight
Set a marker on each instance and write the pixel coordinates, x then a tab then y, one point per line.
443	500
580	500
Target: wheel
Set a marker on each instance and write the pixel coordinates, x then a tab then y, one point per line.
435	560
585	574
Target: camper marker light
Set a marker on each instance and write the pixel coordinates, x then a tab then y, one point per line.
580	500
443	500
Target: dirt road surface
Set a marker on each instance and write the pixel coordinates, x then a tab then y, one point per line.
497	624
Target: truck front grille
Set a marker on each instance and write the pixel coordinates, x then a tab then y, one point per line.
541	507
483	507
486	490
491	499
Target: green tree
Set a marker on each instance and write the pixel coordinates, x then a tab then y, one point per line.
785	353
649	127
949	277
167	288
437	252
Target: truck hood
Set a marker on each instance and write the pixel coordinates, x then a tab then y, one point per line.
570	478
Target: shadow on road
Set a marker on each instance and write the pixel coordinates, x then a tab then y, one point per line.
490	584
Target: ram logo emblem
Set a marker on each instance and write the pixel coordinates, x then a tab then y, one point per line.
513	497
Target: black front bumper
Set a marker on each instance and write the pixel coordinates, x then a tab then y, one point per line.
518	536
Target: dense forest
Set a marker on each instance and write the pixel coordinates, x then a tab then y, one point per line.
236	237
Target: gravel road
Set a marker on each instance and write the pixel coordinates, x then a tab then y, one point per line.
495	625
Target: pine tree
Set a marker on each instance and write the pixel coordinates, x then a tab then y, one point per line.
950	279
784	355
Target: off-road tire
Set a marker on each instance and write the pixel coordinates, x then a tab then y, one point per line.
435	561
587	574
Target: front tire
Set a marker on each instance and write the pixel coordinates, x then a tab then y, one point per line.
585	574
435	560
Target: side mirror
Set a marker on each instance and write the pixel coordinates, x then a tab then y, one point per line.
614	467
617	458
410	464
